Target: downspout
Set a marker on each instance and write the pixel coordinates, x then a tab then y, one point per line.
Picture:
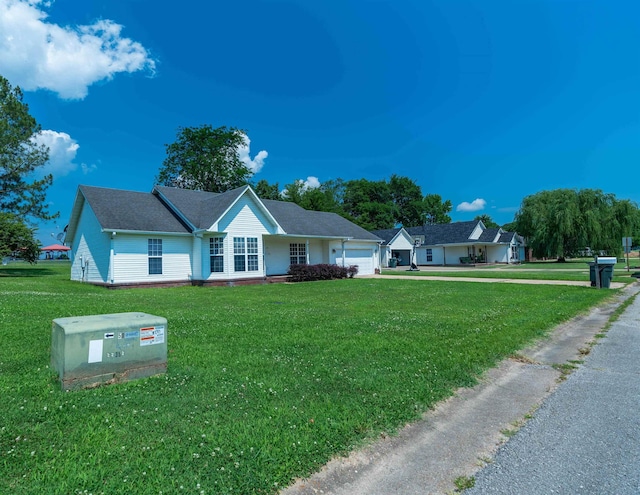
112	255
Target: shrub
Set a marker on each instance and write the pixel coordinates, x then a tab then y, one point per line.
309	273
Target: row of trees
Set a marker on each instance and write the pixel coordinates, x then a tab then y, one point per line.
205	158
556	223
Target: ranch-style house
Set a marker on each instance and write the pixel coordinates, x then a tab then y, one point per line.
171	235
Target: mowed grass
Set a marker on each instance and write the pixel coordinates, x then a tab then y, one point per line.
575	270
264	383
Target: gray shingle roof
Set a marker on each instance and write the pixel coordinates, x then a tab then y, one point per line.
507	236
136	211
386	235
295	220
200	208
116	209
444	233
489	235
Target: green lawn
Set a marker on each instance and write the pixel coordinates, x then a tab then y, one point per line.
264	383
575	270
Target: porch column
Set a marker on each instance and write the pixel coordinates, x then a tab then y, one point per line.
307	252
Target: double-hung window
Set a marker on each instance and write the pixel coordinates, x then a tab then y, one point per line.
239	254
245	254
429	255
252	254
216	254
154	250
297	254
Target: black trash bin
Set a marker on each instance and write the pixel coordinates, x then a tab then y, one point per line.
604	265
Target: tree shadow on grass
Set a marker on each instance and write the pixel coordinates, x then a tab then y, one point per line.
22	272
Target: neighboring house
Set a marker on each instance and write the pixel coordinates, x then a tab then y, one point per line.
452	244
398	244
181	236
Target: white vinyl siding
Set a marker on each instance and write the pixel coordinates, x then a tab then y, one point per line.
277	253
131	258
90	250
243	221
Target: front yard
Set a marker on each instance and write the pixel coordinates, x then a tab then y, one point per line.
264	383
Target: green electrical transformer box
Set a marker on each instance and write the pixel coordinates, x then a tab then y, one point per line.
87	351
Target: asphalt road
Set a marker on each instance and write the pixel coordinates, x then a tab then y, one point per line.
585	438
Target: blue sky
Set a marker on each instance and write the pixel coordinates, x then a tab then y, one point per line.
480	101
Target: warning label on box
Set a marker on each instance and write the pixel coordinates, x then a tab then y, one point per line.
152	335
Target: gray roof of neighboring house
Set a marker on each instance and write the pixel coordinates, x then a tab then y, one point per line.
386	235
489	235
444	233
128	210
136	211
507	237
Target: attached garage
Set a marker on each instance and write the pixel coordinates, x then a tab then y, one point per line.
363	257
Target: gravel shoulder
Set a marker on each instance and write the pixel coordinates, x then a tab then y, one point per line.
462	434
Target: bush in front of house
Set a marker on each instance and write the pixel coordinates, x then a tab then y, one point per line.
322	271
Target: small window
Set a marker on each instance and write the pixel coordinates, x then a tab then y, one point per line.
297	254
429	255
216	252
154	249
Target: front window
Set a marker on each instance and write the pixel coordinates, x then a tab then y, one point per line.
429	255
297	254
154	250
245	254
216	254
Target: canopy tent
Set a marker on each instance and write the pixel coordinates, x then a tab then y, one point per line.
56	247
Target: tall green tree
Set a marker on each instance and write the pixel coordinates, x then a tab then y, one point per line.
205	159
370	204
436	210
562	222
264	190
487	221
21	158
407	198
17	239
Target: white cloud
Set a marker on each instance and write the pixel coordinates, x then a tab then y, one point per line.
476	205
255	164
62	153
311	183
36	54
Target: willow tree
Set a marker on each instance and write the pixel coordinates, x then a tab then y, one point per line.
562	222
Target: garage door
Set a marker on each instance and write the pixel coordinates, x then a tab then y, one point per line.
361	257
